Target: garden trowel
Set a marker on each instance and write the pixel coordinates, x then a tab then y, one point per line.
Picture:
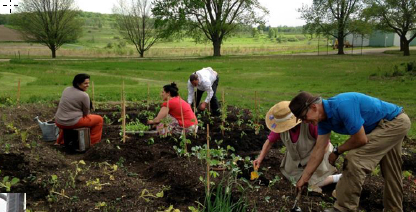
295	207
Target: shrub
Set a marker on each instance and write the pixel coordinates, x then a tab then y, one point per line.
292	39
109	45
300	37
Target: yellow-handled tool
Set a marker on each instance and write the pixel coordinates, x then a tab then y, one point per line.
254	174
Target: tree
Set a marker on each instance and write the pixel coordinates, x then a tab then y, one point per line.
362	27
331	17
214	20
49	22
396	15
136	25
272	33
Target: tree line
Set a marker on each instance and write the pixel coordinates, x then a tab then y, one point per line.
145	22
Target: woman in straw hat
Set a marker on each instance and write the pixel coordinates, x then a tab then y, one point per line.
299	139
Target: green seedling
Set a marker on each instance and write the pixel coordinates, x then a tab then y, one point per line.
7	183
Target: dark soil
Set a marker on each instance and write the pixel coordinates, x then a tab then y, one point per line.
147	165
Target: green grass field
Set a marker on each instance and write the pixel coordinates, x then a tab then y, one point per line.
274	78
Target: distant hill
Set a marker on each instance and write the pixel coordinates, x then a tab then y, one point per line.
7	34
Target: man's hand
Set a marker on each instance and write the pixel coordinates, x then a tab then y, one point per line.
150	122
302	182
332	158
202	106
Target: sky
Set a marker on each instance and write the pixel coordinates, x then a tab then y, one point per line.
282	12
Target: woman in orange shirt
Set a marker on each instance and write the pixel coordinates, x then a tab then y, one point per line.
175	114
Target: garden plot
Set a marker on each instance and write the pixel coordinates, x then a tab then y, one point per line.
151	173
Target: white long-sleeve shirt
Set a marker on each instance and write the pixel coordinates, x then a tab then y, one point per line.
206	77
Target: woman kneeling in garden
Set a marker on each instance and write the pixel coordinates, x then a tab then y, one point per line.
175	114
74	110
299	138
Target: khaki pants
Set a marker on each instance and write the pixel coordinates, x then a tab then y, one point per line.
385	147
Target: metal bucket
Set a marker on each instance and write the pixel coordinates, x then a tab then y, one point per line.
50	131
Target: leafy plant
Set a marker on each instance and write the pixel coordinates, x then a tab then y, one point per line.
220	198
136	126
376	171
7	183
96	184
74	174
407	174
275	180
107	120
146	195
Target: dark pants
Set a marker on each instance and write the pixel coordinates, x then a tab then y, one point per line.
214	101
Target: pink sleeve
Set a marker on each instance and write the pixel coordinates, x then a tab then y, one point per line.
313	130
273	137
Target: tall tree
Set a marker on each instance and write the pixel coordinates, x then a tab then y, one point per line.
331	17
397	15
49	22
135	23
214	20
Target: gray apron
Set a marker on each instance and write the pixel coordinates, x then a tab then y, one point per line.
297	156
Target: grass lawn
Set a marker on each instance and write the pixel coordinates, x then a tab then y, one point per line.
274	78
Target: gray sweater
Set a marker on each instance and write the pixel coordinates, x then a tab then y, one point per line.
73	105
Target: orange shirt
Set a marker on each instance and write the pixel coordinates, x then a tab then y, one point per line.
175	111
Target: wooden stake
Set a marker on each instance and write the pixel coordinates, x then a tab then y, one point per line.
183	122
195	101
93	95
223	103
148	95
195	110
255	106
18	92
123	113
208	158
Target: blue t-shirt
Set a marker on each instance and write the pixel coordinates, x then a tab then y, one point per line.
347	112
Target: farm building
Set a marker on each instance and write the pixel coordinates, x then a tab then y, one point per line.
378	39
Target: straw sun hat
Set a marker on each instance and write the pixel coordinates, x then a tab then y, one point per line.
280	118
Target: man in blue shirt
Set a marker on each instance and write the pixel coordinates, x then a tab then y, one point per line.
376	128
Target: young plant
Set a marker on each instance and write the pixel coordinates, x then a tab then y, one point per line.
7	183
220	198
146	195
275	180
73	175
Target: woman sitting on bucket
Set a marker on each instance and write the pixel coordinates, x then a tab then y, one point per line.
175	114
74	110
299	139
